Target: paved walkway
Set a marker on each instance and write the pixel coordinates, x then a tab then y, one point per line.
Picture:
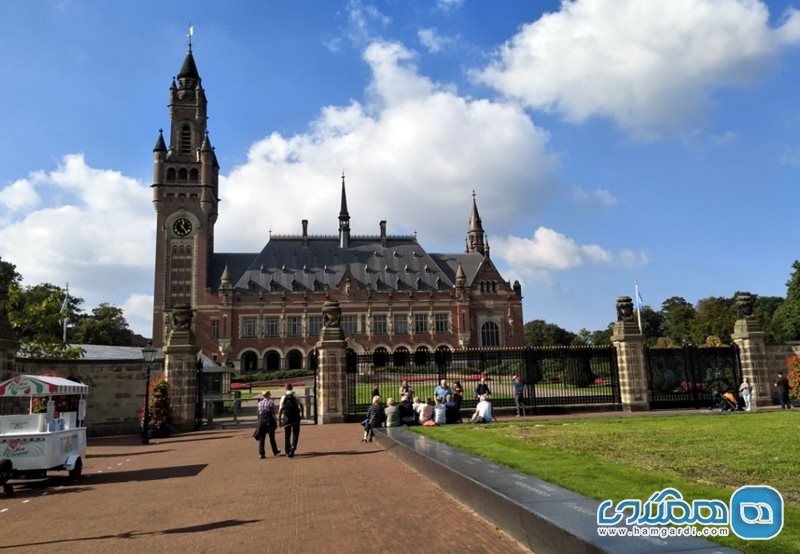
209	492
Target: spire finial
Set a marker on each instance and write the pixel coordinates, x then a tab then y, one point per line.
473	195
189	37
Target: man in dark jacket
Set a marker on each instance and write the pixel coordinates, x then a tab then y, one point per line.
290	413
782	386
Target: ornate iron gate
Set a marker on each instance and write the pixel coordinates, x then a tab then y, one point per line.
689	376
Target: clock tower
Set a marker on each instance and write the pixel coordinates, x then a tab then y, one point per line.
185	197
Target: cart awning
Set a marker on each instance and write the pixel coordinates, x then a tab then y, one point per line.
40	385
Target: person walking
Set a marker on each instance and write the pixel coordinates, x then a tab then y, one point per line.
267	424
782	385
745	391
519	395
290	413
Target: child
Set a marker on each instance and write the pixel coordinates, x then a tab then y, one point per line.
374	418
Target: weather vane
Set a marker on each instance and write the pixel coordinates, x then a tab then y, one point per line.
189	36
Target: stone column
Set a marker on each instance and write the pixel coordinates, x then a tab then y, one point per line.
180	355
331	383
629	342
8	346
749	337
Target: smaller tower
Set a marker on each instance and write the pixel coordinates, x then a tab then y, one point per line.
344	220
476	237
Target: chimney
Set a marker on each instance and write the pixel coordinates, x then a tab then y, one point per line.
383	233
305	232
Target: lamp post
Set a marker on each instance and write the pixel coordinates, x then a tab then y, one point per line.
149	354
198	409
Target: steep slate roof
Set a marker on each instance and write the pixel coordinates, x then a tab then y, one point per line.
189	69
287	264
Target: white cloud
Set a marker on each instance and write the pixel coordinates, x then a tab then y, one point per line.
548	250
432	40
412	155
597	197
362	19
139	313
101	240
448	6
649	66
20	195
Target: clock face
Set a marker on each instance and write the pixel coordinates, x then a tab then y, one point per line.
182	227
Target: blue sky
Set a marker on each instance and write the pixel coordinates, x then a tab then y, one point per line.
607	140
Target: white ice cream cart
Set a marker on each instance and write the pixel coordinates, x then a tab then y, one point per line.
33	443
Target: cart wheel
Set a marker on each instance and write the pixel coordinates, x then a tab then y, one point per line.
75	473
8	489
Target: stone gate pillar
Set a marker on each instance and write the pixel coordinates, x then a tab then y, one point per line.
8	346
749	337
629	342
331	384
180	354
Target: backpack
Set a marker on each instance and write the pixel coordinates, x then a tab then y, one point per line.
291	408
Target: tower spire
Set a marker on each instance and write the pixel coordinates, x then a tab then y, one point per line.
476	237
344	219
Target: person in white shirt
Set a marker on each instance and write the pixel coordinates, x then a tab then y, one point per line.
483	411
439	412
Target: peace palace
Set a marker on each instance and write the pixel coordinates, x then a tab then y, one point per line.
263	311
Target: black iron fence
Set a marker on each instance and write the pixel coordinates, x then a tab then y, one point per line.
689	376
557	376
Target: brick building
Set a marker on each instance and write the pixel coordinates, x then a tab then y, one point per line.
262	311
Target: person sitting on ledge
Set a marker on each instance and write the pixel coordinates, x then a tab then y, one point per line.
392	413
483	412
426	413
406	411
452	414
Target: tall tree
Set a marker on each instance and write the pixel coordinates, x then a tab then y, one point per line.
678	315
788	313
36	313
540	333
105	325
715	317
652	322
8	275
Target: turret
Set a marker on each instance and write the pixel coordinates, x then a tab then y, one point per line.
476	237
344	220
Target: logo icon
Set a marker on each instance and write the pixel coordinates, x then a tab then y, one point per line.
756	512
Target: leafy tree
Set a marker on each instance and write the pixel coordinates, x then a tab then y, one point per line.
35	314
8	275
678	316
715	316
105	325
602	337
788	314
652	321
540	333
582	338
764	309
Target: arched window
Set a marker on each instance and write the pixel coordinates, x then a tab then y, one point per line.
379	357
249	361
490	334
171	175
400	356
186	139
194	176
273	360
183	175
294	359
421	356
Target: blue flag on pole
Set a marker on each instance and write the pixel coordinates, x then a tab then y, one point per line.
639	301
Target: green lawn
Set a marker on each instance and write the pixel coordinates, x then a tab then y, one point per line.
703	456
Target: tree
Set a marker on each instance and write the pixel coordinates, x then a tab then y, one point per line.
105	325
715	316
652	321
764	309
602	337
582	338
8	275
789	312
540	333
35	314
678	315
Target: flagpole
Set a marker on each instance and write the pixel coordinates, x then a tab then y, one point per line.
64	307
638	305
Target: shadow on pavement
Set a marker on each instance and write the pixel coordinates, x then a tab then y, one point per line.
133	534
152	474
185	438
124	454
336	453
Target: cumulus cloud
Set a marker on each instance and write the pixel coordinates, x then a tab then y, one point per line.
412	155
100	238
448	6
597	197
651	67
432	40
549	250
138	310
20	195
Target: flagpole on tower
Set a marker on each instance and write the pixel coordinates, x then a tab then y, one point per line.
639	305
189	36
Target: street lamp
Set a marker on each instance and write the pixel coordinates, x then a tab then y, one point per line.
149	354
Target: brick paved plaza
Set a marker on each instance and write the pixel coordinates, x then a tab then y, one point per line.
209	492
